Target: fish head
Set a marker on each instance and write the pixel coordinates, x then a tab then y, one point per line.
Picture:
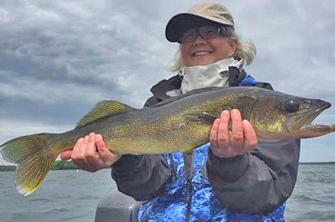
276	115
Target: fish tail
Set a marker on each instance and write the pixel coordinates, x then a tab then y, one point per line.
34	157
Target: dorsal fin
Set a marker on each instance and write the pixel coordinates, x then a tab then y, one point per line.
102	109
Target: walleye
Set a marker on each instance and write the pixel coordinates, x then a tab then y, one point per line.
178	124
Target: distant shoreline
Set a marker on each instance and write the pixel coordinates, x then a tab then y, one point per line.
58	165
68	165
317	163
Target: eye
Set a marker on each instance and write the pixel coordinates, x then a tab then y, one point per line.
291	105
189	34
188	37
210	32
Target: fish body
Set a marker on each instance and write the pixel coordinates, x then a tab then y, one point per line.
178	124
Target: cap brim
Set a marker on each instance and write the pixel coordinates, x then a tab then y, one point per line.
184	21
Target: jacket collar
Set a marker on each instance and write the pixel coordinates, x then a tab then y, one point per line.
161	89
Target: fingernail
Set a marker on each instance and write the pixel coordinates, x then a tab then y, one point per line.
246	122
225	113
234	112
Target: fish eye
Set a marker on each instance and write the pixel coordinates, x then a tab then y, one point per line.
291	105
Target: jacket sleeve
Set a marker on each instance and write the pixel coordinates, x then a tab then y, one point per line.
141	176
258	182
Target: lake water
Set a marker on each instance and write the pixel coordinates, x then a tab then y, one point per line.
65	195
73	196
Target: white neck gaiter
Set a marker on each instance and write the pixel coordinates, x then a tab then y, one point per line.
197	77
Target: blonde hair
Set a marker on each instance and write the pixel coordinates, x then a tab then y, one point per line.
244	50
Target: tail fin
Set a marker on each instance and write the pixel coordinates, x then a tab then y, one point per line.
33	159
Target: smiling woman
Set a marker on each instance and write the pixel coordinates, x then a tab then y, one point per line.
233	177
222	38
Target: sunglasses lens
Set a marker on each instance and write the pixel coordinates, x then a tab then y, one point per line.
208	32
205	32
189	36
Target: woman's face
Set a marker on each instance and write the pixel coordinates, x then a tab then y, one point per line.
204	52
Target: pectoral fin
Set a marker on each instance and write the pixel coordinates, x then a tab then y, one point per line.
201	117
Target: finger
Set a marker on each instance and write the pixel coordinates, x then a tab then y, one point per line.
106	156
66	155
78	154
250	135
91	152
213	137
91	161
79	148
83	160
100	143
75	152
237	136
223	134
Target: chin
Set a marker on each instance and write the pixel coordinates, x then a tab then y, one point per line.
203	63
203	60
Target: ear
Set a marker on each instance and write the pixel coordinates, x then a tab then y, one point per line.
233	47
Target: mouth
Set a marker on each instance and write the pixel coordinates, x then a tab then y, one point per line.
301	123
201	53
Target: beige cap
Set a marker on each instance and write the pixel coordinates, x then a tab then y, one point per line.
201	14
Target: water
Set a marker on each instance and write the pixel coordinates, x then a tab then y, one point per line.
313	198
65	195
73	196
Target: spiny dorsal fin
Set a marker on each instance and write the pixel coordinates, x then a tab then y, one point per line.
102	109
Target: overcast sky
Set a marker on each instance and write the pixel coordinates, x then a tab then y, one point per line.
58	58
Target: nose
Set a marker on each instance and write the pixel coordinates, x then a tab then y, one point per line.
199	40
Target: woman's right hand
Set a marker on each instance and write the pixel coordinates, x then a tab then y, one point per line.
91	154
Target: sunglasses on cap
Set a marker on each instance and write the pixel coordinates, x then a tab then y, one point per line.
205	32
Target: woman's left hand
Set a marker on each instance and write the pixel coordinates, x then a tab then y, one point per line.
237	142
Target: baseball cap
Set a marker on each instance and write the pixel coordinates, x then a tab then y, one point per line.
198	15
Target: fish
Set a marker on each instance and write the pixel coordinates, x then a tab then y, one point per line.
178	124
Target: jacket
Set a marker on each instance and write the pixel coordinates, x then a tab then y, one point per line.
253	187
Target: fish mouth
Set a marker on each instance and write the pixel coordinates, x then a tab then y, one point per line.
303	120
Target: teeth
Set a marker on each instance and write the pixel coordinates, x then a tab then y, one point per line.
200	53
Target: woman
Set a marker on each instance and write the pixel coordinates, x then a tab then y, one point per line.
235	177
